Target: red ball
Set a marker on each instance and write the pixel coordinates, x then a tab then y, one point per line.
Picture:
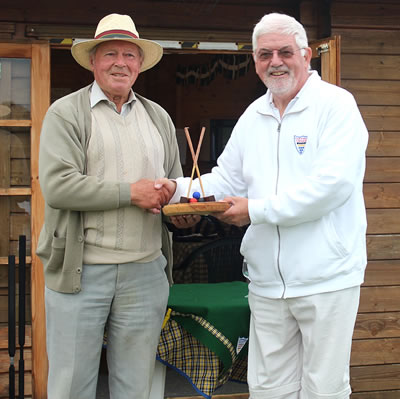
192	200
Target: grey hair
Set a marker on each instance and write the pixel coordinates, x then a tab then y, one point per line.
282	24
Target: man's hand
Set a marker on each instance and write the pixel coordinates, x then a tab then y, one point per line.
146	195
167	185
237	214
184	221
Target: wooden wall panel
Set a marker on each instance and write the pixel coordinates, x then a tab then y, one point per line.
383	221
382	272
4	385
383	247
382	195
373	66
164	15
377	325
381	118
384	143
375	351
369	41
374	92
376	395
5	360
372	378
366	14
380	299
4	308
382	170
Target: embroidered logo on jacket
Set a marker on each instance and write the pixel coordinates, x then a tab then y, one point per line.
300	143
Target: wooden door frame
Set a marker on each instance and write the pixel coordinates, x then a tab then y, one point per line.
40	96
329	51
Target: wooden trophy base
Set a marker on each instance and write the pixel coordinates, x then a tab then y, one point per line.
202	207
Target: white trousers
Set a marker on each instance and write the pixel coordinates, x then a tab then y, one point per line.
299	348
131	300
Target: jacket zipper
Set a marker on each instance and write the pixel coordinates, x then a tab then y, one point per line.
277	227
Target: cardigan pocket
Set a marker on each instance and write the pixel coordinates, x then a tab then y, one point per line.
57	254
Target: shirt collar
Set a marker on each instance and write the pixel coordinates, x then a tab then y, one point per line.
268	106
97	95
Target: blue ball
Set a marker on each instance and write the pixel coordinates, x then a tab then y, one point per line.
196	195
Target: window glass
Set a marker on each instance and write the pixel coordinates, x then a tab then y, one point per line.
15	220
15	157
15	88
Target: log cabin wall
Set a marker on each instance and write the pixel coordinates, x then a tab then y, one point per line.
370	69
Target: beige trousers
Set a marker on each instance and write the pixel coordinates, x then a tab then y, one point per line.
299	348
129	300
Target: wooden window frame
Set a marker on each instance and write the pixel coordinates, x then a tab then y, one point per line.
39	54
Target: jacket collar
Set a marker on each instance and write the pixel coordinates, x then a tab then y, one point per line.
297	104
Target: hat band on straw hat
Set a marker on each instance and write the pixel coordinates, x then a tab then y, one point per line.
116	33
116	27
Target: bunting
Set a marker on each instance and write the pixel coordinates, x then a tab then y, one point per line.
231	66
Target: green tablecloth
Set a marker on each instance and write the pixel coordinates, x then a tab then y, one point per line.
205	338
223	315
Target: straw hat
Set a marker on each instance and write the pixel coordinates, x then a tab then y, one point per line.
117	27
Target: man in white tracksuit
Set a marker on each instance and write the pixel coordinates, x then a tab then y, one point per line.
293	168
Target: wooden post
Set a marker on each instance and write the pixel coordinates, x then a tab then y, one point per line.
40	103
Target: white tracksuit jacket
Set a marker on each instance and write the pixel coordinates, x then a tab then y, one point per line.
303	176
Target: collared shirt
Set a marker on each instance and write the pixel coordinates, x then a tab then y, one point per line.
97	95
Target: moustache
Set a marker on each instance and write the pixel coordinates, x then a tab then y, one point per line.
273	69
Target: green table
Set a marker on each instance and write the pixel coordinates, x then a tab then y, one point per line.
205	338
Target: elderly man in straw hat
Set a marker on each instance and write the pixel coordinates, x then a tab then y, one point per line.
103	244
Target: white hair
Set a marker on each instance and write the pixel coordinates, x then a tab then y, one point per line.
282	24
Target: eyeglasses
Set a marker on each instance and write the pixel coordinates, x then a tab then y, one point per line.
282	53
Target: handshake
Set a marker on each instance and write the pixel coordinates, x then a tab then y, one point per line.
152	194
